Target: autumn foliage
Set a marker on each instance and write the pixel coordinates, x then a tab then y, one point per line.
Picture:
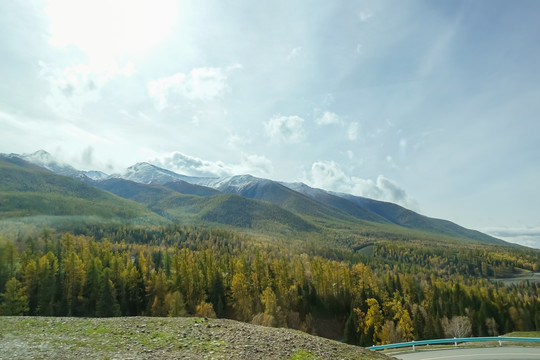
400	292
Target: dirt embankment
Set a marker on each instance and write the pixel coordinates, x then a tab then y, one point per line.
162	338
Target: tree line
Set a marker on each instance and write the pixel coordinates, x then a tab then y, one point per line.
399	292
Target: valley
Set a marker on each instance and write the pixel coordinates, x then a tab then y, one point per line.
253	250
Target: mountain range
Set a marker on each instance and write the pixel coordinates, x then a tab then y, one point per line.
38	186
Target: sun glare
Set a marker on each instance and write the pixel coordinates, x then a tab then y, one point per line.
107	29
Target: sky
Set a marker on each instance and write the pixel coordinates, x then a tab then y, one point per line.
434	105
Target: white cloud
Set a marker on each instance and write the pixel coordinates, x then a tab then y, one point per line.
74	86
527	236
79	134
329	118
296	52
192	166
329	176
390	161
391	191
255	165
288	129
237	140
352	131
87	156
364	16
159	89
188	165
203	83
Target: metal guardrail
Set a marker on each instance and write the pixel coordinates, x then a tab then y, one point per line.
455	341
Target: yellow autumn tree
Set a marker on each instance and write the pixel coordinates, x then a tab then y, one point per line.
241	300
205	309
401	314
74	278
176	304
374	319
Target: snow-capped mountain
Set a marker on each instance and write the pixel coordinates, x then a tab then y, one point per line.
234	184
304	189
297	198
146	173
96	175
46	160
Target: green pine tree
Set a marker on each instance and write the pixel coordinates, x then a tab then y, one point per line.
107	304
15	299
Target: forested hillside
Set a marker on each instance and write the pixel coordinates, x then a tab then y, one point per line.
28	191
383	292
346	268
32	197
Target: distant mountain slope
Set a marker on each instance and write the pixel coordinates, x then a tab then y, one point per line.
238	211
338	202
247	186
385	212
274	192
28	190
218	208
317	204
184	187
412	220
197	199
142	193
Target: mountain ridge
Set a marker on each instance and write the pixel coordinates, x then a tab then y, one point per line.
179	197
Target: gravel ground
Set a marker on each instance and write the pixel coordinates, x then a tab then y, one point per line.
162	338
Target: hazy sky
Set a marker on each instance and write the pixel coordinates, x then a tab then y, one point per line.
434	105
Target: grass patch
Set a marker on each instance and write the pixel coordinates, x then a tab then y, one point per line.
302	354
535	334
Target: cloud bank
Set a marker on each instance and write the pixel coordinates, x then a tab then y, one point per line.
329	118
329	176
527	236
189	165
288	129
72	87
204	83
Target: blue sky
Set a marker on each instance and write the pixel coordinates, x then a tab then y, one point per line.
431	104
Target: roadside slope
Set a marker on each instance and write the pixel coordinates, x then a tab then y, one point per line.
163	338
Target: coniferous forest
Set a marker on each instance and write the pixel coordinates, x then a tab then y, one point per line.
381	292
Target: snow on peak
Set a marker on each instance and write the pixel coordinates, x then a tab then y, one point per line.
235	183
303	188
140	166
96	175
146	173
40	157
44	159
